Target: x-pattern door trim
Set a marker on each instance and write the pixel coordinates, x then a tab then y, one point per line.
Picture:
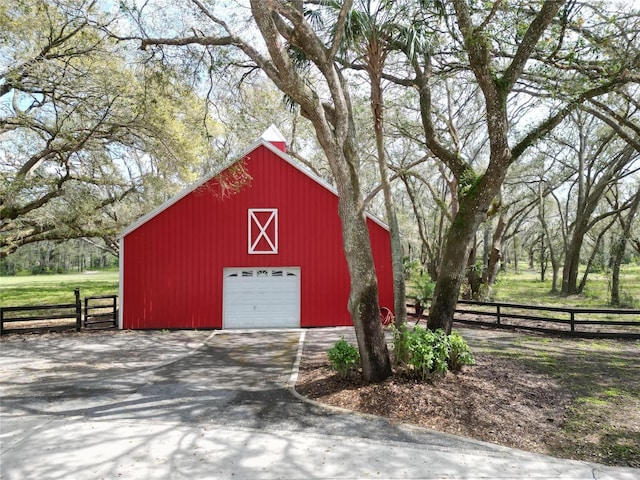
258	230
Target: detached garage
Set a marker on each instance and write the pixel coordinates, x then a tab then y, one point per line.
256	245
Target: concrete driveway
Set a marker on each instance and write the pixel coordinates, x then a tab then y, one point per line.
191	405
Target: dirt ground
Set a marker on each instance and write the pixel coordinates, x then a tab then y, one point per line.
571	398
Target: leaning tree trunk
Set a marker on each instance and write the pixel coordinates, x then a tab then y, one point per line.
594	253
586	206
453	266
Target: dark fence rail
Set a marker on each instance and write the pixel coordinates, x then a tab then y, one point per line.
66	316
579	322
100	312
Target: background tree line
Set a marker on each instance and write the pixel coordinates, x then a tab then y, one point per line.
49	257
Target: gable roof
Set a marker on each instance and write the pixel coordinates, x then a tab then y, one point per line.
260	142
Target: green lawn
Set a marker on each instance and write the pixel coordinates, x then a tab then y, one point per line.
525	287
55	289
602	379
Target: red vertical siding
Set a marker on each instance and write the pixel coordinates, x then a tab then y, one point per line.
173	262
381	246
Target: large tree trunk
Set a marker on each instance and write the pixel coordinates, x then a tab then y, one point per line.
591	188
363	298
618	255
478	190
596	250
333	123
572	252
453	266
571	263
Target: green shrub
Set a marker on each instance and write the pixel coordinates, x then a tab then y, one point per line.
429	352
460	353
401	352
429	355
343	357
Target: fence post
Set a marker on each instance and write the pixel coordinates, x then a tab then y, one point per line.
573	319
498	313
78	310
86	312
115	311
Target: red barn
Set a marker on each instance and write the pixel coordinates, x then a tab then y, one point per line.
257	245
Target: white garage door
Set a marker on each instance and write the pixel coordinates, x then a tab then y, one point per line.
261	298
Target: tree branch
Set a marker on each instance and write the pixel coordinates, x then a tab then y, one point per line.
181	42
339	29
550	123
616	122
528	44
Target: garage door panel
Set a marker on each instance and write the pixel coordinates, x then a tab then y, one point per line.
261	298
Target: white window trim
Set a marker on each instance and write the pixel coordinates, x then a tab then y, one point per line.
254	224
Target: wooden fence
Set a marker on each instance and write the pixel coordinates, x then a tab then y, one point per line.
579	322
39	318
99	312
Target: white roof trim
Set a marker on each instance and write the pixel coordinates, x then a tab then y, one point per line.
260	142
